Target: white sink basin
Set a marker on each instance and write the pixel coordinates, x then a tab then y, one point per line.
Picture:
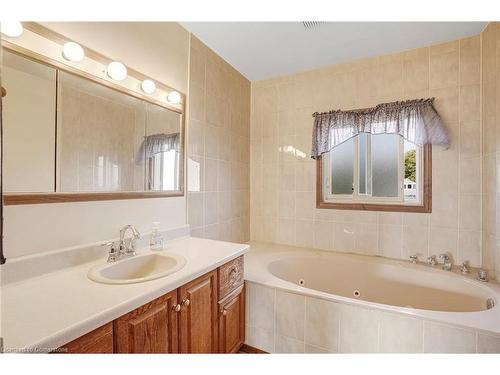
137	269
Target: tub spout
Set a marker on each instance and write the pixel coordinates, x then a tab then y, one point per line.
446	261
447	266
431	261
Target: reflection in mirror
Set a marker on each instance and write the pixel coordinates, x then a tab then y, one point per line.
99	133
161	149
65	133
29	110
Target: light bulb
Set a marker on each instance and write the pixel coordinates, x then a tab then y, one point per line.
148	86
117	71
174	97
11	29
73	52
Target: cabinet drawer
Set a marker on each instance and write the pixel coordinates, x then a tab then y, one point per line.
230	276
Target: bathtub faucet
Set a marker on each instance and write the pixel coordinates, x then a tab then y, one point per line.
431	261
446	261
414	258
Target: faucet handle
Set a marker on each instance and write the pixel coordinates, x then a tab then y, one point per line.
431	260
465	267
414	258
482	275
113	253
445	258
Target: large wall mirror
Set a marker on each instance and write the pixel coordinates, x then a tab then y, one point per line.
68	138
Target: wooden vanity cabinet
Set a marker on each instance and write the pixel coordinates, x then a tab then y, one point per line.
232	321
151	328
206	315
98	341
198	315
231	306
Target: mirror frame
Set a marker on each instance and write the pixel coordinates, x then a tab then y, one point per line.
2	94
60	197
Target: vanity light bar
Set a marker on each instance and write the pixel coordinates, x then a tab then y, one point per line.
117	71
148	86
174	97
12	29
31	32
73	52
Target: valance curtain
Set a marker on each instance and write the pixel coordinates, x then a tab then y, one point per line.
156	143
415	120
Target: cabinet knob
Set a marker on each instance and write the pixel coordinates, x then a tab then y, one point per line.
224	312
186	302
176	307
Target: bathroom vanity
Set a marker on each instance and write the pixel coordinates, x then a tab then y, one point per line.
197	309
206	315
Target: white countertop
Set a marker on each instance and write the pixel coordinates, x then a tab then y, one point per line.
50	310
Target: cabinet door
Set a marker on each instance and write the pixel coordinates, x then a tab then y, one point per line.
98	341
232	321
198	315
151	328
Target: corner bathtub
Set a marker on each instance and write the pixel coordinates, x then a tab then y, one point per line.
375	283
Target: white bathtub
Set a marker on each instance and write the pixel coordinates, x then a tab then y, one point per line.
387	283
374	283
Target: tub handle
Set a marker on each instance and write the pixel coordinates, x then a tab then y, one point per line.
490	303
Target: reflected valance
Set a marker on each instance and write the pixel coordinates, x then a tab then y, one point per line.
156	143
415	120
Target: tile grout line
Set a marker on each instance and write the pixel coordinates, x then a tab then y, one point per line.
304	327
423	336
481	150
459	155
275	319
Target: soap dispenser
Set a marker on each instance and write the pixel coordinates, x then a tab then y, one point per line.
156	240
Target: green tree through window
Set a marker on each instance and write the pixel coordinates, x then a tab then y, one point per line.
411	165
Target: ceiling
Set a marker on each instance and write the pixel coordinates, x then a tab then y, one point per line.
261	50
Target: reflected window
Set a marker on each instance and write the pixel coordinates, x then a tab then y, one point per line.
162	171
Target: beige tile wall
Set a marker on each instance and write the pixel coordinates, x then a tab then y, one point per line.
490	39
283	175
218	148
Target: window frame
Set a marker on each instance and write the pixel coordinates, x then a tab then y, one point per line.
354	202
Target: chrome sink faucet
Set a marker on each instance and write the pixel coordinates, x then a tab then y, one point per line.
127	246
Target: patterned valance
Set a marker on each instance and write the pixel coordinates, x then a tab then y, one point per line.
156	143
415	120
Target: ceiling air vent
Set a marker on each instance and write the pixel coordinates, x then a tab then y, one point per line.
312	24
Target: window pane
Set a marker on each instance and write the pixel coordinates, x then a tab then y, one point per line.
385	166
341	158
411	175
364	164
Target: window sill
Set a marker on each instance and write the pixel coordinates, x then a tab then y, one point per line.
424	208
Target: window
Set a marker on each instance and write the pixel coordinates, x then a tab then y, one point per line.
160	167
382	172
